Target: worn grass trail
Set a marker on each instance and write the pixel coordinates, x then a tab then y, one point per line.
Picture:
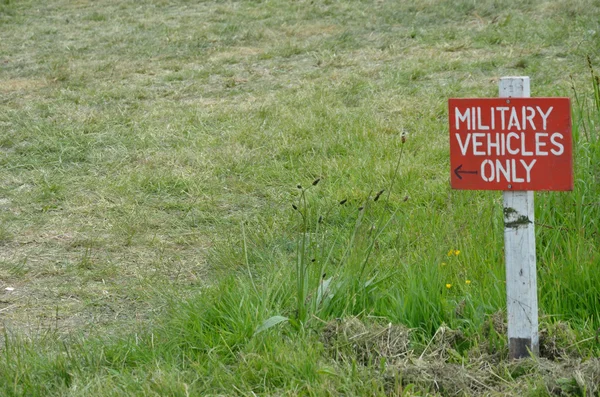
150	154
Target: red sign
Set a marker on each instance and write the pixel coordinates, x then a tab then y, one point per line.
511	144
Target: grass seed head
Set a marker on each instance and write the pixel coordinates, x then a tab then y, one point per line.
403	136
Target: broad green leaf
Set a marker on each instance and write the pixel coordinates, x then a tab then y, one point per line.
270	322
323	290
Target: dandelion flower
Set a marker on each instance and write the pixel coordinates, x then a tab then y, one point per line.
468	282
448	286
457	252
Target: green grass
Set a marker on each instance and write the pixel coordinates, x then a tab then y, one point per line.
150	154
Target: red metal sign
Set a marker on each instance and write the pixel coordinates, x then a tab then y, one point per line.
511	144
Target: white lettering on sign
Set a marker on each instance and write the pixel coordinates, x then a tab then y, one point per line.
497	144
510	118
561	149
509	170
544	116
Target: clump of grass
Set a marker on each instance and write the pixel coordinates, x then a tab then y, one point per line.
351	339
329	281
332	278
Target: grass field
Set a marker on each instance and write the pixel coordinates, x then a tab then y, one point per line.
252	198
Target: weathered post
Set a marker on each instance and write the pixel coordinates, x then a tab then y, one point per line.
519	253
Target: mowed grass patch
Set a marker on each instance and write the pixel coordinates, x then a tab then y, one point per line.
150	154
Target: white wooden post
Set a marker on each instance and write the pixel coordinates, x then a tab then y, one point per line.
519	251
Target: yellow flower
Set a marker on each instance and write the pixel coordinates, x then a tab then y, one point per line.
456	252
444	263
450	252
468	282
448	286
